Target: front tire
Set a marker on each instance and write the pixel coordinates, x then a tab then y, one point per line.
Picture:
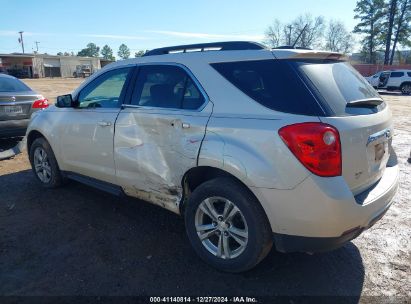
44	164
227	226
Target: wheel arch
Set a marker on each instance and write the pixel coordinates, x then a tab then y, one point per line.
31	137
196	176
405	82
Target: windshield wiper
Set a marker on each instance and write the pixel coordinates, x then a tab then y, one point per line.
370	102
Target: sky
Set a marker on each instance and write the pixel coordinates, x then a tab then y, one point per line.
68	25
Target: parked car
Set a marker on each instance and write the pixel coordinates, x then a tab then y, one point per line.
17	103
398	80
254	147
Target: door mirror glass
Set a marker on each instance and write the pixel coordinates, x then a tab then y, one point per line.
65	101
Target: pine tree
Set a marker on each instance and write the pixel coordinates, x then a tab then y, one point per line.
123	51
92	50
107	53
402	26
370	13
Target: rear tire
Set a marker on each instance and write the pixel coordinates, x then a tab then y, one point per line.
233	227
44	164
406	89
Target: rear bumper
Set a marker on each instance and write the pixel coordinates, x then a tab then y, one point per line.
322	214
293	243
10	128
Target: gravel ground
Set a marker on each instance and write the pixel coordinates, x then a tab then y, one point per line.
80	241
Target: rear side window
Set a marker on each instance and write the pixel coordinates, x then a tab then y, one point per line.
396	74
272	83
166	86
409	74
12	85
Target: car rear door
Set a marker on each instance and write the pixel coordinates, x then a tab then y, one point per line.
159	134
395	79
87	131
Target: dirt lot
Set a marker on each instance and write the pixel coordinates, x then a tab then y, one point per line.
51	88
79	241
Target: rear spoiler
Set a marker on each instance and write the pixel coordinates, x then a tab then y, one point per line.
308	54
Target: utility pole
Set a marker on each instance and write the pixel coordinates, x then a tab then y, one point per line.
37	46
21	40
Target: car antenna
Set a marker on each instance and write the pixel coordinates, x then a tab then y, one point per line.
299	35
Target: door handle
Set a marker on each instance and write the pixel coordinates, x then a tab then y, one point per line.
185	125
104	123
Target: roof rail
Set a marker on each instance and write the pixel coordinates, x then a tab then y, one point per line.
290	47
214	46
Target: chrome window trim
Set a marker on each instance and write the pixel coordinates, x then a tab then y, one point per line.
189	73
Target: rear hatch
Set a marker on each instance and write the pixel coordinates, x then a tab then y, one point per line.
362	118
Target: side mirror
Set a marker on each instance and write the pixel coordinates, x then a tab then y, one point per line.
66	101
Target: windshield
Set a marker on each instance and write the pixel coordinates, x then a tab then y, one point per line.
338	83
12	85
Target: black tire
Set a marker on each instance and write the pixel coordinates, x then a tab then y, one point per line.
259	231
56	178
406	88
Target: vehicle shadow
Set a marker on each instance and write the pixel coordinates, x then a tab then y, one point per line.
9	147
79	241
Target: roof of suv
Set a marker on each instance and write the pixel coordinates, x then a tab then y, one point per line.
224	52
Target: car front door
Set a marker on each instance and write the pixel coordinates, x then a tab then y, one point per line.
158	135
87	131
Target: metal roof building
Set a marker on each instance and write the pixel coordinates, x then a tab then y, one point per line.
45	65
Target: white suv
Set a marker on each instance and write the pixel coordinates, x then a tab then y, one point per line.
398	80
254	147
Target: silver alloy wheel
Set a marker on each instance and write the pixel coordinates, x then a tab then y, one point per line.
406	89
221	227
42	165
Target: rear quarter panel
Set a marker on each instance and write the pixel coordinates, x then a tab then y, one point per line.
251	150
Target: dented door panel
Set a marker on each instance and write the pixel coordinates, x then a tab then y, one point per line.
153	150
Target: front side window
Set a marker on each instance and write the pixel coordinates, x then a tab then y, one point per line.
409	74
166	86
105	91
396	74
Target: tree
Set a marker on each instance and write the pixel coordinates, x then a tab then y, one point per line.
66	54
387	28
402	26
312	36
274	35
60	54
123	51
287	34
107	53
370	13
338	39
91	50
140	53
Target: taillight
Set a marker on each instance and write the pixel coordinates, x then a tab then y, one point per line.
316	145
40	103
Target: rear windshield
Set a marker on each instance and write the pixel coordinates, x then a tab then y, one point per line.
272	83
12	85
338	83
